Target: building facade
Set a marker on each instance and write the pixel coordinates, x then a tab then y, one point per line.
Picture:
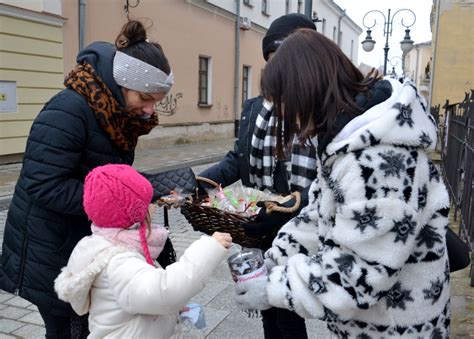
31	66
417	66
335	24
199	37
453	51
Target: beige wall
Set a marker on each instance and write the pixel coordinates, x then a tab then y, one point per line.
415	65
31	54
453	59
416	61
185	31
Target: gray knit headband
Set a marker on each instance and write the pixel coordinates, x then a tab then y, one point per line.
134	74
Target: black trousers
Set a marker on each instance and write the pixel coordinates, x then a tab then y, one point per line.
59	327
280	323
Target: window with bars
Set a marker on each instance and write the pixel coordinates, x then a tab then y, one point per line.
352	50
246	78
300	6
265	7
204	97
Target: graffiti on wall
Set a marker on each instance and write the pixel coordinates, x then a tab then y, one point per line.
168	105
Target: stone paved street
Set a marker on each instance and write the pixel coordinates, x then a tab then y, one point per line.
20	319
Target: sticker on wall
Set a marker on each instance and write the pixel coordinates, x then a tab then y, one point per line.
8	97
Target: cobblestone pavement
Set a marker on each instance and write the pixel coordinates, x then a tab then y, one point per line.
20	319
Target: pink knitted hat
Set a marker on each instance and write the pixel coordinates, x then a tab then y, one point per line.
117	196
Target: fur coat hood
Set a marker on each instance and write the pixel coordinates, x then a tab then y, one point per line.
401	120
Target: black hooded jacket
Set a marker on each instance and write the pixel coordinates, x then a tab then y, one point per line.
46	217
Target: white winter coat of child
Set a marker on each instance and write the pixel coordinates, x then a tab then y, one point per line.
124	295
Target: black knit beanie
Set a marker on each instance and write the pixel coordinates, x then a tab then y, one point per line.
281	28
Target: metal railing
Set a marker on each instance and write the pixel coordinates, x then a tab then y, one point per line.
457	154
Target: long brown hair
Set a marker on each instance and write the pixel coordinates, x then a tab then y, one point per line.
310	80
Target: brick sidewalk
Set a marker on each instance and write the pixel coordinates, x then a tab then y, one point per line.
20	319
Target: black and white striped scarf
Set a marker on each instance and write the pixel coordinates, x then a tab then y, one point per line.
301	167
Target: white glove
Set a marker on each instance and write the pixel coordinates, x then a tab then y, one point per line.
252	294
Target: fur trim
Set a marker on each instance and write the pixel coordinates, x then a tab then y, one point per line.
74	287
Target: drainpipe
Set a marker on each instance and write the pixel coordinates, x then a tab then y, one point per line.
434	49
339	27
236	70
82	23
417	82
308	8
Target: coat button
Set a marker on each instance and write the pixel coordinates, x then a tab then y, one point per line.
243	118
241	155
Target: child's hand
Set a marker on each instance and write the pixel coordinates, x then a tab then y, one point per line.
223	238
185	309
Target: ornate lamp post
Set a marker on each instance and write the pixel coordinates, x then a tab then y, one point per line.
406	44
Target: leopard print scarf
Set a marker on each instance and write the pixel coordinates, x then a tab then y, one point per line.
122	127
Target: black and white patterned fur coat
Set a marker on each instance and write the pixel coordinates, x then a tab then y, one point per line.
368	254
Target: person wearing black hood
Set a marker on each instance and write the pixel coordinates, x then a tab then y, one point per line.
253	162
107	104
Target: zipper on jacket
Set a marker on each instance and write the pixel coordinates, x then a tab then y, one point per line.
22	265
249	136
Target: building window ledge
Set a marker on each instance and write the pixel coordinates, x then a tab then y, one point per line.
248	4
204	105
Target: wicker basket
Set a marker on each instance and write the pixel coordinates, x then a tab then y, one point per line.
208	220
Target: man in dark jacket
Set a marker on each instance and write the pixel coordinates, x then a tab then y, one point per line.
253	162
79	129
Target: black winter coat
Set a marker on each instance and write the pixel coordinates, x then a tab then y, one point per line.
236	164
46	217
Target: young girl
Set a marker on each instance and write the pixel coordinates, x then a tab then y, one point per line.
112	274
368	253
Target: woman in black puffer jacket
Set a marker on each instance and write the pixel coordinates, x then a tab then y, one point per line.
107	104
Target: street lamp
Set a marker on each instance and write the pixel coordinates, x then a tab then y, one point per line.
406	44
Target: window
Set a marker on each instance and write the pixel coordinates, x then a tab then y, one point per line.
300	6
248	3
287	6
265	7
334	33
204	81
352	50
324	26
246	79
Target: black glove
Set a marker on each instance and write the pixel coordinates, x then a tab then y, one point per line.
265	223
202	189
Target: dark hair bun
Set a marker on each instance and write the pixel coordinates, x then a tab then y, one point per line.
132	40
132	32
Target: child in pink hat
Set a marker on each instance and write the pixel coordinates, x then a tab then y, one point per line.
112	274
